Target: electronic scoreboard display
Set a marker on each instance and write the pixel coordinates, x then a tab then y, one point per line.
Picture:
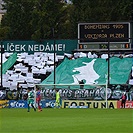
98	35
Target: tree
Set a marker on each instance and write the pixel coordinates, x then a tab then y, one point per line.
4	32
35	19
99	11
48	15
18	18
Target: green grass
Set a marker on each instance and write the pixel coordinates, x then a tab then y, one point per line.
66	121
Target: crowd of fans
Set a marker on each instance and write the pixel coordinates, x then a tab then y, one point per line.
31	69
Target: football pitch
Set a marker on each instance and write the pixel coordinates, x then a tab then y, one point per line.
66	121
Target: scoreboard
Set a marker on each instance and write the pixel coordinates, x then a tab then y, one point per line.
99	35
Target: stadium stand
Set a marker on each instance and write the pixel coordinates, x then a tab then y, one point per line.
23	70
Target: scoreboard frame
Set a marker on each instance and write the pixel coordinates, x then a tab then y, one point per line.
104	32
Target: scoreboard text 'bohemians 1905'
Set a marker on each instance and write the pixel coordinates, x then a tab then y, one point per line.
104	32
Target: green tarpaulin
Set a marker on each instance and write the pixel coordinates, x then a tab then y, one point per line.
9	63
92	71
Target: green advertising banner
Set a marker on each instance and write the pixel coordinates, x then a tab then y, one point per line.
61	46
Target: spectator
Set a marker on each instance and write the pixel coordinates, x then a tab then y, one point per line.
121	56
123	100
81	84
